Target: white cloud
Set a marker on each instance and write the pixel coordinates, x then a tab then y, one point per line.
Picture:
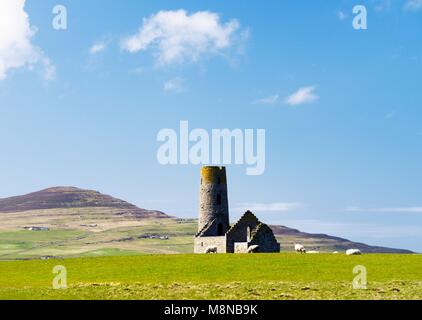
137	70
382	5
177	37
16	48
100	45
390	115
352	209
97	48
49	69
385	210
341	15
401	210
413	5
267	100
174	85
269	207
302	96
355	231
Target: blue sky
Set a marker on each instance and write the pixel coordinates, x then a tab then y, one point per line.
79	108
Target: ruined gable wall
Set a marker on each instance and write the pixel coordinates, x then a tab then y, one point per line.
239	233
264	238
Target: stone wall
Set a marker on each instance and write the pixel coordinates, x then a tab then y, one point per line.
241	231
264	238
241	247
202	243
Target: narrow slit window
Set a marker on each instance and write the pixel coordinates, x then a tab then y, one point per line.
220	230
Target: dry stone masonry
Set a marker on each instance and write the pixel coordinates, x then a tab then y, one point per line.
214	231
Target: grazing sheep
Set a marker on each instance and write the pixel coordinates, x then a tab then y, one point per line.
313	252
211	250
335	252
353	252
253	249
300	248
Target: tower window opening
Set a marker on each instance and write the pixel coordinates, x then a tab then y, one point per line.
219	199
220	230
219	180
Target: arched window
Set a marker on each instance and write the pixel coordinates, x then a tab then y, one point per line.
219	199
220	229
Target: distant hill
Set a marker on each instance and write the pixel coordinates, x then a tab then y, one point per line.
325	242
77	222
71	197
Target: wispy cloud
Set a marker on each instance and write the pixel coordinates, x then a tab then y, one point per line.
302	96
390	115
382	5
352	209
100	45
355	231
49	69
269	207
341	15
16	48
401	210
267	100
97	48
176	36
385	209
413	5
175	85
137	70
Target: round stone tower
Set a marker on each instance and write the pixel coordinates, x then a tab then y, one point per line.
213	201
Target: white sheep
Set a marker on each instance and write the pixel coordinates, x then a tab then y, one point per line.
353	252
211	250
335	252
300	248
313	252
253	249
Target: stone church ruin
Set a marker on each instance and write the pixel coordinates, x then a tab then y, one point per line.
214	231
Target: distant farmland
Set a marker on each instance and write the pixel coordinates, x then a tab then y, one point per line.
93	232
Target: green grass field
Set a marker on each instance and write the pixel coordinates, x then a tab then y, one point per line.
260	276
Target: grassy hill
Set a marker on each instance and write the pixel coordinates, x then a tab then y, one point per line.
264	276
71	197
88	223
